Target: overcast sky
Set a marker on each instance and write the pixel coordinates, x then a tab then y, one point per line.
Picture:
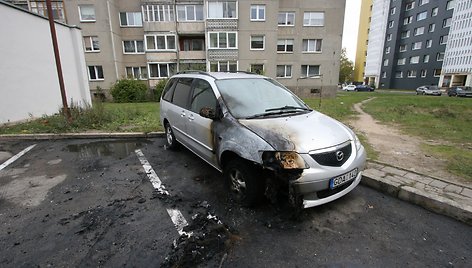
351	25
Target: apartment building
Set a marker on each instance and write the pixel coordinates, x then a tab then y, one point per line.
298	42
362	40
411	51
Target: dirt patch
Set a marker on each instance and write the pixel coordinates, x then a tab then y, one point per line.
399	149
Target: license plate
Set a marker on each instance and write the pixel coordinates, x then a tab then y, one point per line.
343	179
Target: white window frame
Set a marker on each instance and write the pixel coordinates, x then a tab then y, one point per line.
407	20
91	40
450	4
309	21
153	13
159	69
257	8
403	48
422	16
287	14
87	20
423	73
423	2
287	71
407	34
166	38
434	11
256	64
95	70
136	75
185	9
218	40
389	37
385	62
401	61
417	45
137	17
411	73
419	31
391	23
414	59
442	41
387	50
315	45
398	74
393	10
440	56
426	58
307	74
251	40
135	47
410	5
447	22
286	43
429	43
435	71
223	4
220	63
431	27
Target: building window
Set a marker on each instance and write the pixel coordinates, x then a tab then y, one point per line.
387	50
437	72
440	56
87	13
421	16
311	45
423	73
443	40
390	24
392	10
384	74
284	71
416	45
257	68
285	45
189	12
313	19
286	19
222	40
429	43
131	19
161	70
91	44
401	61
414	60
223	66
257	42
450	4
434	12
398	74
423	2
411	73
310	70
419	31
431	27
192	44
133	47
95	73
402	48
405	34
160	42
389	37
136	72
407	20
385	62
222	10
257	12
160	13
410	6
39	7
447	22
426	58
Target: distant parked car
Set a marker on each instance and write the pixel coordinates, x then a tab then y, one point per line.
349	88
363	88
460	92
428	90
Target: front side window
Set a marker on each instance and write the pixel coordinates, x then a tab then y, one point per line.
222	10
161	70
182	92
160	42
189	12
202	96
258	12
131	19
284	71
286	19
313	19
222	40
310	70
223	66
95	73
133	47
136	72
311	45
285	45
257	42
158	13
87	13
91	44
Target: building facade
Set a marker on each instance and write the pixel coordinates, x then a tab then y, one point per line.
298	42
362	40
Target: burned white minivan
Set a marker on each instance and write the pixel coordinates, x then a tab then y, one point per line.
262	137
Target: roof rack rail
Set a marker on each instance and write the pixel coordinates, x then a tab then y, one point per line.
196	72
244	72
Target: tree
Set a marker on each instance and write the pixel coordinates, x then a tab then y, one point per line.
346	69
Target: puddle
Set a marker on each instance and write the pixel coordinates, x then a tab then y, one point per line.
116	149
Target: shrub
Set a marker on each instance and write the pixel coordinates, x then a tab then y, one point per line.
129	90
157	92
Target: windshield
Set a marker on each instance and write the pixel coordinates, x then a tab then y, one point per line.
257	97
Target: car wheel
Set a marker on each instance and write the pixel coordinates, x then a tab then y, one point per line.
243	181
171	142
424	93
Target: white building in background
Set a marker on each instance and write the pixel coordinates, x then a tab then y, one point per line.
28	75
375	48
457	65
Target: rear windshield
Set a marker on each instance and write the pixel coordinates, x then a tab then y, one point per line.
246	97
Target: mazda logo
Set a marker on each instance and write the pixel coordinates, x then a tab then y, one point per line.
339	156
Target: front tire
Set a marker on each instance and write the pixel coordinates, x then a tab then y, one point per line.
171	142
244	182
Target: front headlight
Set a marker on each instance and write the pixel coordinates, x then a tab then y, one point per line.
283	160
357	142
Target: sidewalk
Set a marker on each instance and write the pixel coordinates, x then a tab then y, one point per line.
435	194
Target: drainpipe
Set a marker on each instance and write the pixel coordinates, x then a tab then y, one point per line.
112	40
52	27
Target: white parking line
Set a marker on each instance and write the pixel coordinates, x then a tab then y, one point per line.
14	158
175	215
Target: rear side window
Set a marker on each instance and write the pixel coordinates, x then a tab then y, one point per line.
202	96
169	90
182	92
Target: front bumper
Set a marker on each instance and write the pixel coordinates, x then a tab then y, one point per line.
313	184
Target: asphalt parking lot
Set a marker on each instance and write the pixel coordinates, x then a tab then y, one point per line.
104	203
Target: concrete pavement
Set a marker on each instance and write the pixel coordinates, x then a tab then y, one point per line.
435	194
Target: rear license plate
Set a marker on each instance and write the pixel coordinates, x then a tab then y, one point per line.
343	179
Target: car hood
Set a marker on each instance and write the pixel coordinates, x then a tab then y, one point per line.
301	133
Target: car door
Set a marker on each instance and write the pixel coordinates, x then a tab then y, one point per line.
178	110
202	97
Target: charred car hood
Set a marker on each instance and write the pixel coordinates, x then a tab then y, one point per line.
301	133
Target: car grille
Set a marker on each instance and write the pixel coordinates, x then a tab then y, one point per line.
331	159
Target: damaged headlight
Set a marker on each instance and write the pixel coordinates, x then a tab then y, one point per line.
357	142
283	160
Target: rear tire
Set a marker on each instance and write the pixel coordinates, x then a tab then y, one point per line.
171	142
244	181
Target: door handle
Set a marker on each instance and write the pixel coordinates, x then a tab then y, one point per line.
182	114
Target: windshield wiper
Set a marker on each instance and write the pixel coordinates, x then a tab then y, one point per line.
288	108
278	111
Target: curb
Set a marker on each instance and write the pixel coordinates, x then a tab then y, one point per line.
97	135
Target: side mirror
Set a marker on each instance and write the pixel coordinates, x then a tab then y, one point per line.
208	112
